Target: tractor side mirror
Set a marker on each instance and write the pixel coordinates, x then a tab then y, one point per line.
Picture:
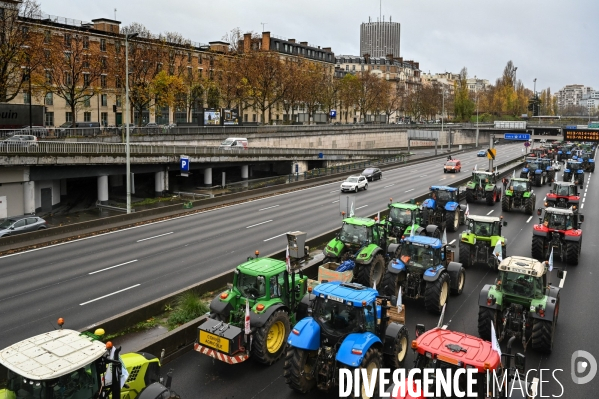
419	330
560	274
504	223
520	362
581	218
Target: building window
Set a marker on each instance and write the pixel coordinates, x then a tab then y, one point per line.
118	82
68	116
102	44
253	117
119	101
49	99
103	63
86	79
117	47
277	46
189	73
26	98
245	117
285	48
104	118
47	36
201	70
87	117
353	67
67	39
103	80
211	73
104	100
49	119
189	56
199	58
85	42
67	79
87	101
49	77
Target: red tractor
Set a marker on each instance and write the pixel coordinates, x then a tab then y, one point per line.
538	152
563	195
558	230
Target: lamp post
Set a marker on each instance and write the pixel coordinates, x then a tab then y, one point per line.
534	106
29	95
127	117
443	116
515	80
476	91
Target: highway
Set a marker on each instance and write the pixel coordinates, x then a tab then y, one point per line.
87	280
576	328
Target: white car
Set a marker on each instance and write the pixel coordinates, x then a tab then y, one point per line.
354	183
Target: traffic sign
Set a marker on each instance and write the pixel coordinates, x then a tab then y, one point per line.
527	144
333	114
516	136
184	164
491	153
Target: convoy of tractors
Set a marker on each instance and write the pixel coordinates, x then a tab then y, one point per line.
353	315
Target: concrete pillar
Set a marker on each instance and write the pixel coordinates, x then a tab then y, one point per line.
102	189
159	182
208	177
63	188
244	172
224	179
166	185
299	167
29	197
116	180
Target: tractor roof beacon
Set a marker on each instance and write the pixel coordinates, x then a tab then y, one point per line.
522	304
272	294
478	242
78	365
348	327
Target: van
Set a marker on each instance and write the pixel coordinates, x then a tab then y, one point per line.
234	143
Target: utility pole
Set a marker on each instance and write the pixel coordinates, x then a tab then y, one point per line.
477	116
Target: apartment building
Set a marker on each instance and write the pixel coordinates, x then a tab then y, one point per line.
572	95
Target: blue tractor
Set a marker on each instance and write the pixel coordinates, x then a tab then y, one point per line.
348	327
535	172
573	172
442	209
425	269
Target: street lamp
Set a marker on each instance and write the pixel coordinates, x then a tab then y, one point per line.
127	117
476	91
515	80
535	105
443	116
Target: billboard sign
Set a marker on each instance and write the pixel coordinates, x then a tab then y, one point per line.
16	116
212	117
230	117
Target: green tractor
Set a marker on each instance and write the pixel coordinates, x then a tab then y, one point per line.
483	186
522	304
478	243
403	217
266	291
518	194
363	241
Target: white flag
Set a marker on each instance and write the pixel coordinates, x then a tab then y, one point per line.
351	210
248	330
475	167
467	212
480	183
444	241
514	174
496	170
374	286
550	262
412	232
498	252
399	300
494	341
440	324
378	217
288	260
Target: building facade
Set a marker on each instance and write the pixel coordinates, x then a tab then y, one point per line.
380	39
572	95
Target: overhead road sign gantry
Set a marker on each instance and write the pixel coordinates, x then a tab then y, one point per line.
516	136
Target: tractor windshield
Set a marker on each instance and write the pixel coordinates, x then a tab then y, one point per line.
519	185
354	234
565	190
82	383
557	221
573	165
483	229
400	216
521	284
251	286
417	255
337	318
444	196
482	177
534	165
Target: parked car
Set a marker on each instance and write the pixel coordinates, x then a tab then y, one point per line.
481	153
354	183
20	140
21	224
372	174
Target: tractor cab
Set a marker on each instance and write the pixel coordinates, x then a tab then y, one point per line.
521	277
357	232
538	152
563	195
558	219
485	226
484	178
402	217
420	253
531	166
519	185
442	195
545	164
573	165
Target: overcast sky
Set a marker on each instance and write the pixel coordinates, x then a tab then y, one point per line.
551	40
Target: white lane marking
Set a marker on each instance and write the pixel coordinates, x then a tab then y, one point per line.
581	206
334	202
585	193
272	238
334	191
528	220
443	179
390	185
583	199
106	296
492	210
360	207
544	198
149	238
423	175
274	206
258	224
452	241
561	282
112	267
412	189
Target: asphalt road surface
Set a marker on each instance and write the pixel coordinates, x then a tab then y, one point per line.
197	375
88	280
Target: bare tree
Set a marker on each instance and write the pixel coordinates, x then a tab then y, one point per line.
367	93
261	79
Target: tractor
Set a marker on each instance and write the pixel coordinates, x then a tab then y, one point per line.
270	293
64	363
547	166
573	172
588	163
558	231
563	195
348	327
425	269
477	244
363	241
402	218
518	194
522	304
443	208
533	171
452	351
483	186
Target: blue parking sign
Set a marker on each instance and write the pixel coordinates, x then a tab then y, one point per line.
333	114
184	163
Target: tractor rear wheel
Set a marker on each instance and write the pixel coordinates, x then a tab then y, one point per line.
436	293
270	340
465	258
486	316
529	208
461	281
391	283
542	335
400	349
572	253
505	203
538	248
538	180
489	195
453	220
376	270
469	196
298	369
373	360
425	216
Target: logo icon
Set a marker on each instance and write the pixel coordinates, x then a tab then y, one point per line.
583	362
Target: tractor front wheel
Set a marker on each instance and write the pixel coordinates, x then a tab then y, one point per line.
372	361
270	340
538	248
529	208
465	258
461	281
400	349
299	369
486	316
436	293
505	203
572	253
469	196
490	197
376	270
453	220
